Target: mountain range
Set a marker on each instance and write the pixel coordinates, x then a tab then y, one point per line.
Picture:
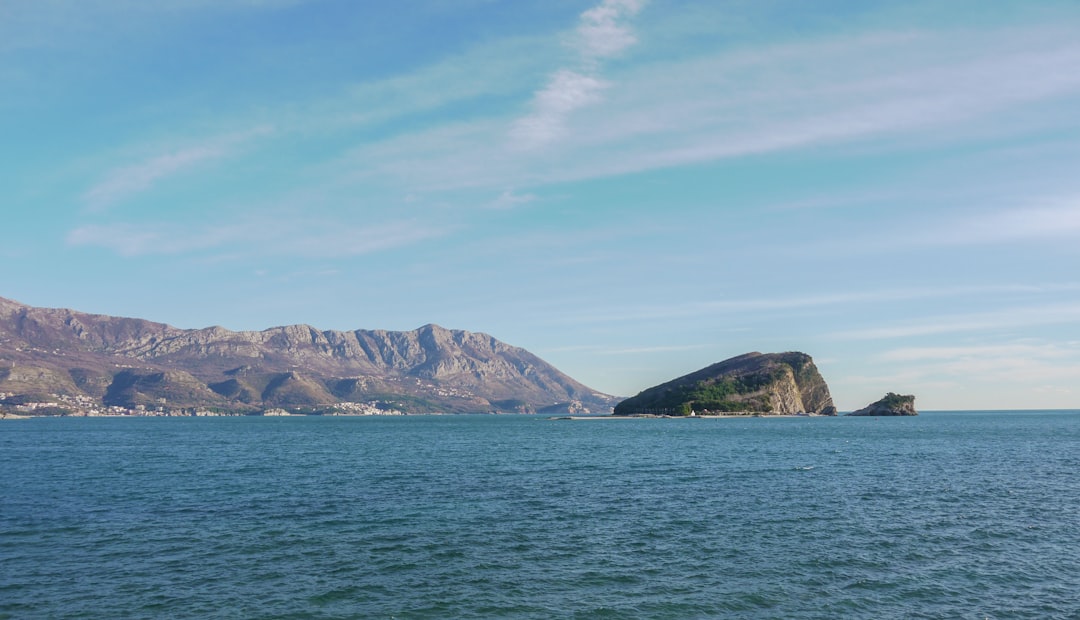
127	362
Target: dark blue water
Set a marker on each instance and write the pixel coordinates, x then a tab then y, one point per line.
947	515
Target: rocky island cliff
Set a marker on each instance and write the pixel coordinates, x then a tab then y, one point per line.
891	404
125	362
776	383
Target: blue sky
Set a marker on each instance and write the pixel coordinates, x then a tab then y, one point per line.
631	190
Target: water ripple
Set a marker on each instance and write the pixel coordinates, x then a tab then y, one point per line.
960	515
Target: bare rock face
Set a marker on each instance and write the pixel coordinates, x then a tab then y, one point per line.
891	405
778	383
129	362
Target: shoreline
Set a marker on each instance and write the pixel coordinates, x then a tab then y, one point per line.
688	417
14	416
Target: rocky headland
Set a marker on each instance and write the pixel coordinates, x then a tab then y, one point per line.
890	405
754	383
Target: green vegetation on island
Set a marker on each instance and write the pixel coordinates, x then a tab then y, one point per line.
777	383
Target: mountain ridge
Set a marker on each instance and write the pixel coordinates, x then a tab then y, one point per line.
429	368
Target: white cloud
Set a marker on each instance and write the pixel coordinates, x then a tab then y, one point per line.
301	237
565	92
893	88
1031	363
1006	318
1057	221
800	304
602	33
332	241
126	181
821	93
654	349
491	70
132	240
593	349
1013	350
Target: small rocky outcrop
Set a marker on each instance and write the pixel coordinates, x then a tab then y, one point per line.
891	404
777	383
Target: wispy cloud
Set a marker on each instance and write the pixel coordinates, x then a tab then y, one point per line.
294	237
565	92
126	181
1060	220
802	96
1034	363
654	349
894	88
361	239
131	240
495	69
602	33
799	304
1007	350
1006	318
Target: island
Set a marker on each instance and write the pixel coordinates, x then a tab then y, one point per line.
749	384
891	405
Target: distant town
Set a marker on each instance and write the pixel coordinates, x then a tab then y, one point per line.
14	406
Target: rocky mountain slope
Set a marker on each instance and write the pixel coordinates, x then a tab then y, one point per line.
755	382
131	362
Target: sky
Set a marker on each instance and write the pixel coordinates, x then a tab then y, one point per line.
630	189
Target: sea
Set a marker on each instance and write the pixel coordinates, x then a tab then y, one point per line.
945	515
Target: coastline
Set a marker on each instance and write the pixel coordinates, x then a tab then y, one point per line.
724	416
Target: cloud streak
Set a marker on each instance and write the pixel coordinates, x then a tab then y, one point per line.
1010	350
1024	316
133	240
800	304
602	33
894	89
1060	220
1033	364
124	182
256	237
566	92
